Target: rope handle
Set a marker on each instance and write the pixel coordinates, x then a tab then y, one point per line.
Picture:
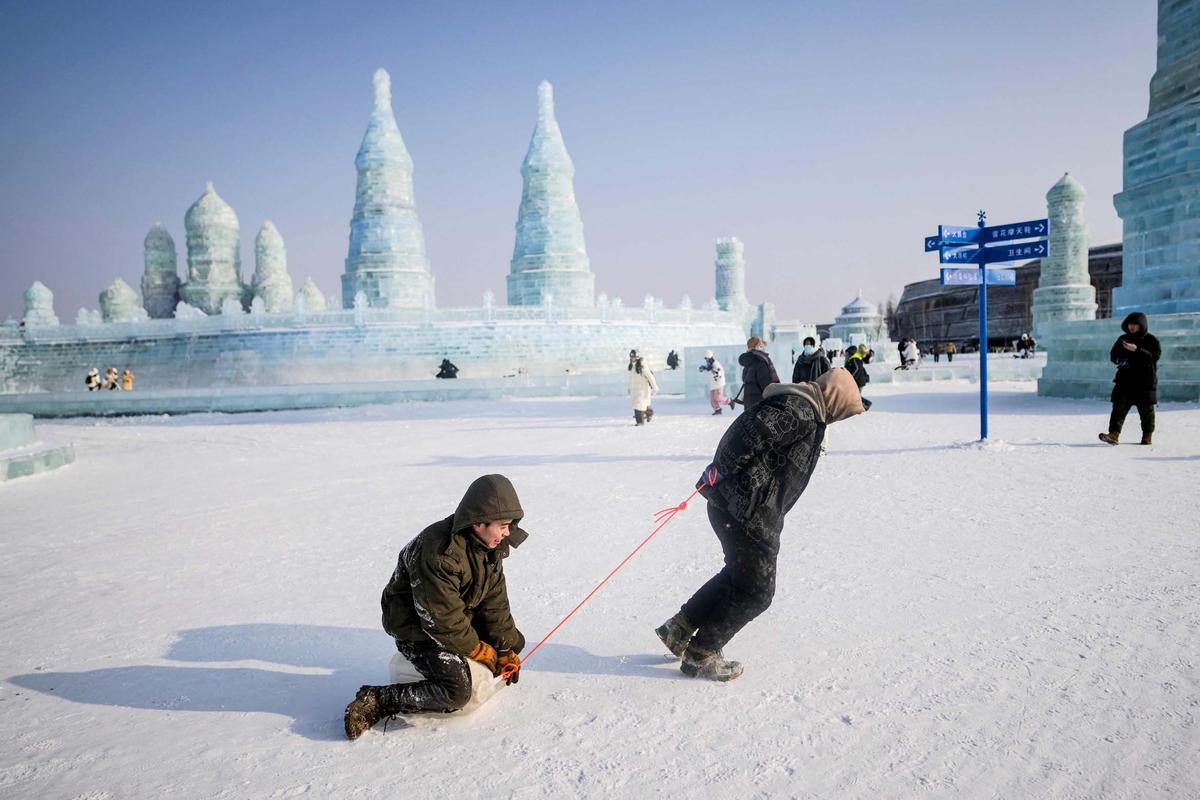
661	517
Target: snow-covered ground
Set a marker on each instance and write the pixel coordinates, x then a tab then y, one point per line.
186	610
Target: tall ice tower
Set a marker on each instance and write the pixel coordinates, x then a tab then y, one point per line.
550	258
387	260
1160	203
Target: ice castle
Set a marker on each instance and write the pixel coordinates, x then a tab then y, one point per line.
216	330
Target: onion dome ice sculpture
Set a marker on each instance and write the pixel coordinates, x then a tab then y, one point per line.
550	257
160	280
214	255
39	306
309	299
386	260
272	284
119	302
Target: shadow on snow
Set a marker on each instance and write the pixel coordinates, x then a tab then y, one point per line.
314	701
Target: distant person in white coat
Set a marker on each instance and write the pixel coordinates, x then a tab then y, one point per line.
641	388
716	382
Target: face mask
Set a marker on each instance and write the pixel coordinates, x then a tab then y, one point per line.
809	349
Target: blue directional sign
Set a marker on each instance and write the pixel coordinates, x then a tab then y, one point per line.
1031	229
958	235
956	276
989	255
957	244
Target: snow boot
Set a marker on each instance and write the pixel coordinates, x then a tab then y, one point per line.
676	633
1110	437
700	663
639	418
1146	437
717	413
649	414
364	712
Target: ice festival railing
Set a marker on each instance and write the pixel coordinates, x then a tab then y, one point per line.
342	318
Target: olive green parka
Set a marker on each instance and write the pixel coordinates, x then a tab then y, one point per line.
448	586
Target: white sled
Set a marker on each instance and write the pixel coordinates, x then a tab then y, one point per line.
483	685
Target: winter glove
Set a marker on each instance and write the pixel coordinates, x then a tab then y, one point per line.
509	658
485	654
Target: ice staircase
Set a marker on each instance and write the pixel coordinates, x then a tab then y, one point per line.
1078	364
21	453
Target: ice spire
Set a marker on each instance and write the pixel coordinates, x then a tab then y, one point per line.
550	255
386	260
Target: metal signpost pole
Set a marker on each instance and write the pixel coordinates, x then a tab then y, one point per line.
958	245
983	375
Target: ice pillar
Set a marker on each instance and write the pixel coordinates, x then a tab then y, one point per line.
1065	290
550	257
731	275
387	260
39	306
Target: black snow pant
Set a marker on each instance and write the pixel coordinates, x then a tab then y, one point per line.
447	684
1121	406
741	591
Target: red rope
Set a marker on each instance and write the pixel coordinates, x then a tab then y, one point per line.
662	518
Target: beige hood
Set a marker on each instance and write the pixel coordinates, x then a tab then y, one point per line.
842	396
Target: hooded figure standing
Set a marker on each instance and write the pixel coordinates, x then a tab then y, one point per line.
811	364
1136	353
447	602
642	387
716	381
760	469
757	372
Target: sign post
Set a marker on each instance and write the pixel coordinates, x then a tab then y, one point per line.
960	245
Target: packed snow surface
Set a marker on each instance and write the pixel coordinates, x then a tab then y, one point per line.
186	610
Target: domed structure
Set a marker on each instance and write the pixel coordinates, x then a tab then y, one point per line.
309	299
272	284
160	280
387	260
857	317
39	306
214	254
549	257
119	302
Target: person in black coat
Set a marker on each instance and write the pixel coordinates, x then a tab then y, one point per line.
1136	353
447	369
762	466
757	372
811	364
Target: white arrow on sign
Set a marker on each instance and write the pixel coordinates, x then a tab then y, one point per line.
1041	228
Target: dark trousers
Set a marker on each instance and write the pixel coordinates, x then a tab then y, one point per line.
1121	406
741	591
447	684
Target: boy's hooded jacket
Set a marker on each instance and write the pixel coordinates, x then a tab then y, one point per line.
1137	370
765	459
448	586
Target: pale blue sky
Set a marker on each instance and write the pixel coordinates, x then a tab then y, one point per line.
829	136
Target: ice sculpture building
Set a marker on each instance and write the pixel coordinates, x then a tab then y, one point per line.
216	331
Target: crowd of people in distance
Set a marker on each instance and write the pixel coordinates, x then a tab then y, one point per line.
112	381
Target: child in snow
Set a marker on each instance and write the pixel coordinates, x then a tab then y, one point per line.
760	469
447	602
